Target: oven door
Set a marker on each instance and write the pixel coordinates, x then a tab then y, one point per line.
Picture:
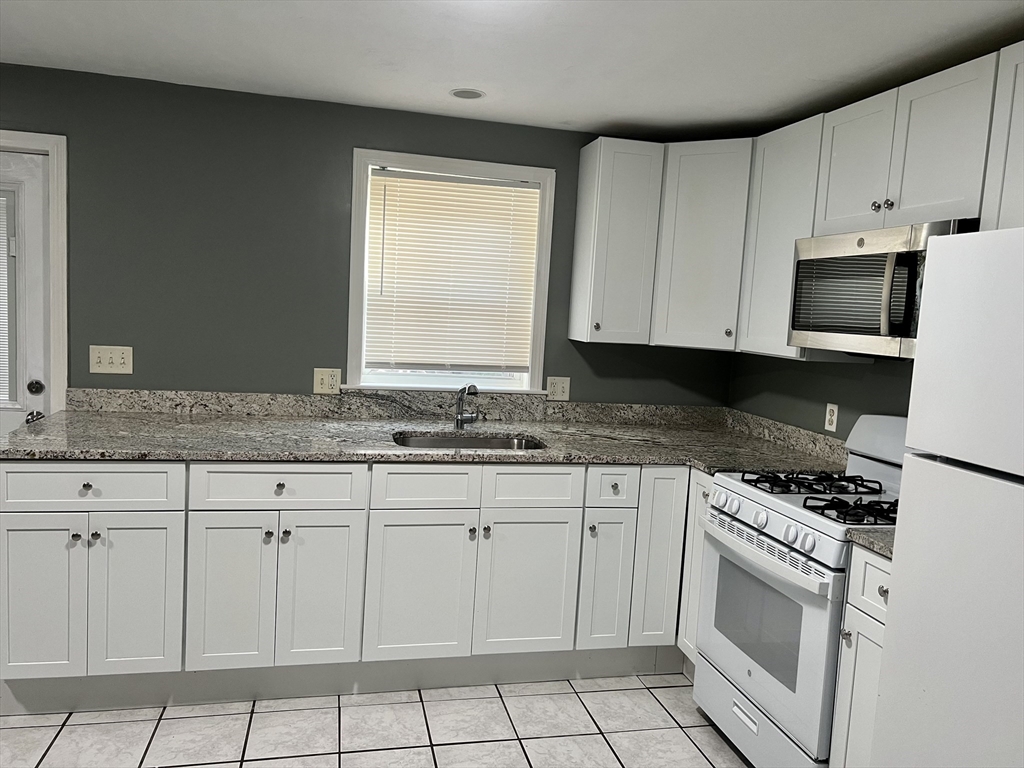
769	621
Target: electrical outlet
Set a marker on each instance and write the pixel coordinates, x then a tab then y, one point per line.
831	417
558	387
326	381
103	359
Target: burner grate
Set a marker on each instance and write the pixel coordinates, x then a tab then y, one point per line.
859	512
812	482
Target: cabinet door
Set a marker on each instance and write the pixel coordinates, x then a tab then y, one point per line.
420	574
856	691
700	245
43	594
526	580
606	578
321	559
232	589
693	552
1003	203
661	521
782	193
939	145
616	241
856	146
136	591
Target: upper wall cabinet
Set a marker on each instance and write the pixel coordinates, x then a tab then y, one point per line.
616	241
782	192
1003	206
913	154
700	244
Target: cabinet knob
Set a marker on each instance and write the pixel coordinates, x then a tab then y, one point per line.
95	536
472	531
597	326
615	487
268	534
487	530
705	495
728	333
76	537
286	533
876	206
845	634
593	528
883	592
888	204
87	486
280	486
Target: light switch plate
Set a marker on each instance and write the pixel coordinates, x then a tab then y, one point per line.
558	387
326	381
831	417
105	359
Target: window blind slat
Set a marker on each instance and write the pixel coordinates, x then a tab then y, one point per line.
6	342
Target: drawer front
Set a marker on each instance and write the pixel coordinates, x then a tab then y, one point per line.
73	486
869	583
425	486
277	486
613	486
533	486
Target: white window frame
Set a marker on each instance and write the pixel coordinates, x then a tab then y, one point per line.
365	159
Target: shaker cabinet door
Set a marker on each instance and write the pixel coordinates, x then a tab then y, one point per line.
1003	203
606	578
860	659
693	553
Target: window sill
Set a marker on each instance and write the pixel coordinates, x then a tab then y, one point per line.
483	389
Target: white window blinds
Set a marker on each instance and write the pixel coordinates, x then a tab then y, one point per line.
6	308
450	272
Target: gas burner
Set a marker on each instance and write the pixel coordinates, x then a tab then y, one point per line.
771	482
808	482
859	512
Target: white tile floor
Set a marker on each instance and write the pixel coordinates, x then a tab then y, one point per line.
623	722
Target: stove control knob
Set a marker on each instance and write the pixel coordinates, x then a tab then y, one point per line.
734	506
762	519
721	499
807	543
791	533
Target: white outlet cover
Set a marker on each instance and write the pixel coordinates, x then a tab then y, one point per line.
831	417
558	387
326	381
107	359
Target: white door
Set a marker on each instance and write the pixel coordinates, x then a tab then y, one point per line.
526	580
420	573
43	594
700	245
782	194
693	554
606	578
321	559
1003	202
856	146
661	522
939	145
232	589
136	591
860	658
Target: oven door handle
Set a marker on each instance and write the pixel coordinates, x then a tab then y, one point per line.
764	561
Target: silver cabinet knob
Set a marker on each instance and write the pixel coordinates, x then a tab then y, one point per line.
268	534
592	528
280	486
86	486
845	634
472	531
487	530
883	592
705	495
728	333
888	204
876	206
615	487
95	536
286	532
76	537
597	326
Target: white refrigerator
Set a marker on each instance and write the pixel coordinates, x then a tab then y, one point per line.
951	690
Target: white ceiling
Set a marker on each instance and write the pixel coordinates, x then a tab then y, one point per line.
597	65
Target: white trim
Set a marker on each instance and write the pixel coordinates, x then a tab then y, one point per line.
56	148
362	160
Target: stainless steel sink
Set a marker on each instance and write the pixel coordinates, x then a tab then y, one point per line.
469	442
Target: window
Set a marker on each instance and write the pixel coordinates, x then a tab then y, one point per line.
449	272
8	334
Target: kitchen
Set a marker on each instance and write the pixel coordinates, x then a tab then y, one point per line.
247	522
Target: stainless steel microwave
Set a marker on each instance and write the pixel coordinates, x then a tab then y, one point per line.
861	292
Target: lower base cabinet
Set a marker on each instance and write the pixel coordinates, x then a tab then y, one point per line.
860	660
606	578
701	485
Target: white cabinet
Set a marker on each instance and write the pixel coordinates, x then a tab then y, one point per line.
606	578
860	658
693	552
616	240
913	154
232	589
420	566
700	244
527	577
782	194
43	594
136	585
321	558
661	521
1003	204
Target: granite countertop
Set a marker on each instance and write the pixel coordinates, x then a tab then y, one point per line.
83	435
878	540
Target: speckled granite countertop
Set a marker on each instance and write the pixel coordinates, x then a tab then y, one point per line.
878	540
81	435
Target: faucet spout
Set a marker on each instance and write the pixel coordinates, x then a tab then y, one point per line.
461	417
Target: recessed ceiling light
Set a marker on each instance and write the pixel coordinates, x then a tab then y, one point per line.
467	93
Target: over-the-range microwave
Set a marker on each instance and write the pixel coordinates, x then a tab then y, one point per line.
861	292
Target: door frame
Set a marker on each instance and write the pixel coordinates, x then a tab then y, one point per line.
55	147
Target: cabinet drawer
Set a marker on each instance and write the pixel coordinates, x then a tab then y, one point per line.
425	486
613	486
73	486
277	486
869	583
533	486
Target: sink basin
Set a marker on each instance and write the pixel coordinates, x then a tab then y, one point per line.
469	441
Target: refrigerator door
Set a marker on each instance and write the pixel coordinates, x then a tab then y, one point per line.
967	396
951	690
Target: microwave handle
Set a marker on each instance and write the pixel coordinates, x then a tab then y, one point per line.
887	281
764	561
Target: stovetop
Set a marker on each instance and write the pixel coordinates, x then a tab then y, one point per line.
806	482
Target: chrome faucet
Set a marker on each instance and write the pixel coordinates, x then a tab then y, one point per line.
461	417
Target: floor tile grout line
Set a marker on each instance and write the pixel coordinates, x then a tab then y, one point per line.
53	741
337	700
248	730
599	730
426	723
514	729
682	727
156	727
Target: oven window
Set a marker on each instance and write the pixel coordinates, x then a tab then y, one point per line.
760	621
